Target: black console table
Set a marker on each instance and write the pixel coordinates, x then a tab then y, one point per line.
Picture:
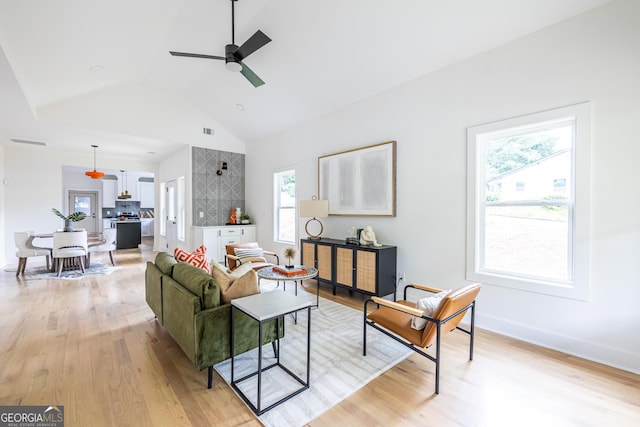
366	269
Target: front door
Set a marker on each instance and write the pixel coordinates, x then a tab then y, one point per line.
171	217
85	201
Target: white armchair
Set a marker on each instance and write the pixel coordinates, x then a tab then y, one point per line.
69	249
108	244
26	250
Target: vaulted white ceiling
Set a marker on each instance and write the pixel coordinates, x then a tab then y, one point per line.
324	55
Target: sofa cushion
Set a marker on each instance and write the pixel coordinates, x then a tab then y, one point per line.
196	258
198	282
241	282
165	262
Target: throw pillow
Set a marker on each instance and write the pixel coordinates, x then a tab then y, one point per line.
249	255
428	305
197	258
242	282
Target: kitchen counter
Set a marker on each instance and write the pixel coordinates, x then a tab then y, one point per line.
129	234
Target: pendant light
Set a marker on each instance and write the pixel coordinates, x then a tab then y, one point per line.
94	173
125	194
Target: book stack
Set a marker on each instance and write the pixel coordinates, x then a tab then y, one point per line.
294	271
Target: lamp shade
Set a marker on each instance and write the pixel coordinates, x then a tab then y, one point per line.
314	208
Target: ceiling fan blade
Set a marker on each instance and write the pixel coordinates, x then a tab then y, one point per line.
196	55
251	76
255	42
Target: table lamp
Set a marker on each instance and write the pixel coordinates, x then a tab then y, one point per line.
314	209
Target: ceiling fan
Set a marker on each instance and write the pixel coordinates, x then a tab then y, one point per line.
234	54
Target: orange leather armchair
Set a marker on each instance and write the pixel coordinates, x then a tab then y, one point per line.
394	320
232	261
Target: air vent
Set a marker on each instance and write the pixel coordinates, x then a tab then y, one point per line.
207	131
26	141
145	179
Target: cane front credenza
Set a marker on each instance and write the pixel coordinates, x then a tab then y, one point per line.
366	269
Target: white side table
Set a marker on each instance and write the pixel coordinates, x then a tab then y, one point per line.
264	307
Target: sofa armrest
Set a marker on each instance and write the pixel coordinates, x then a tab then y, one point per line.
213	332
179	306
153	289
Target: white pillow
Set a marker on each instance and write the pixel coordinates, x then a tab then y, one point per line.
248	253
428	306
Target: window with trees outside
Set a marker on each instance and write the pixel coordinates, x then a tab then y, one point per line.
528	202
284	195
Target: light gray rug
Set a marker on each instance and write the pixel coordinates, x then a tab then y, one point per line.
96	269
338	368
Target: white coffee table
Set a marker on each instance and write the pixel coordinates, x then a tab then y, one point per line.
264	307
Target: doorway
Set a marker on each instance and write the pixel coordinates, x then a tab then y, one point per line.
85	201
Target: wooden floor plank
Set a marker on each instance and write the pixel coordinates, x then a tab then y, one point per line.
95	347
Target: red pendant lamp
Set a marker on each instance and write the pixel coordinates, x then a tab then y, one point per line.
94	173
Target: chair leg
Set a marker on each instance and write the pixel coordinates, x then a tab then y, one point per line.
210	377
60	265
88	258
438	330
21	264
111	258
81	259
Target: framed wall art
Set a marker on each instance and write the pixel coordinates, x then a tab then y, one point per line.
360	181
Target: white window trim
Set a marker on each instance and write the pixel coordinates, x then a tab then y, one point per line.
276	217
578	288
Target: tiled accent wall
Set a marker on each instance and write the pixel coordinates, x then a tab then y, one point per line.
215	195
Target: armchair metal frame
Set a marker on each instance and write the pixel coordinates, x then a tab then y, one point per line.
409	308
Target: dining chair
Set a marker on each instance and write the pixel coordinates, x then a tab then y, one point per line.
108	244
26	250
69	249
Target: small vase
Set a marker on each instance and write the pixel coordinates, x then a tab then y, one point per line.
68	225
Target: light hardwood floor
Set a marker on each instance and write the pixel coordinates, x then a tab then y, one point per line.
94	346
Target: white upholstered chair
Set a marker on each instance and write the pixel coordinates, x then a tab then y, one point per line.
26	250
69	249
108	244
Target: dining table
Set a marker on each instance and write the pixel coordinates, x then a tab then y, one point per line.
45	241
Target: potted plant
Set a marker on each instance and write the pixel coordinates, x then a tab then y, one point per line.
74	217
245	218
289	253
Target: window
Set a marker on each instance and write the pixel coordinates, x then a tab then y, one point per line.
163	209
181	213
284	196
528	202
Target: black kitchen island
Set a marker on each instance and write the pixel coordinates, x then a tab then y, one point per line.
129	234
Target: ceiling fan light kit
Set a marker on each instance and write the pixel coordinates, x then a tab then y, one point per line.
235	54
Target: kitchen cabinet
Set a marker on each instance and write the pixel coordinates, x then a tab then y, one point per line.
147	227
147	195
128	234
366	269
215	238
107	223
109	193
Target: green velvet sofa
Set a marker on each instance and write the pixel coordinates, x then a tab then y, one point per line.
186	301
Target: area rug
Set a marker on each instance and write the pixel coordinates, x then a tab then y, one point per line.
338	368
95	269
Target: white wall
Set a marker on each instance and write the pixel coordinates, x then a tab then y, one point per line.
593	57
2	214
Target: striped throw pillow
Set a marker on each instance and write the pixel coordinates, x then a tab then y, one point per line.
248	253
197	258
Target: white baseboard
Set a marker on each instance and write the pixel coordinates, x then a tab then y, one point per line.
593	351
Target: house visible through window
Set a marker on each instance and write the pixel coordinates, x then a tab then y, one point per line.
284	195
528	202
